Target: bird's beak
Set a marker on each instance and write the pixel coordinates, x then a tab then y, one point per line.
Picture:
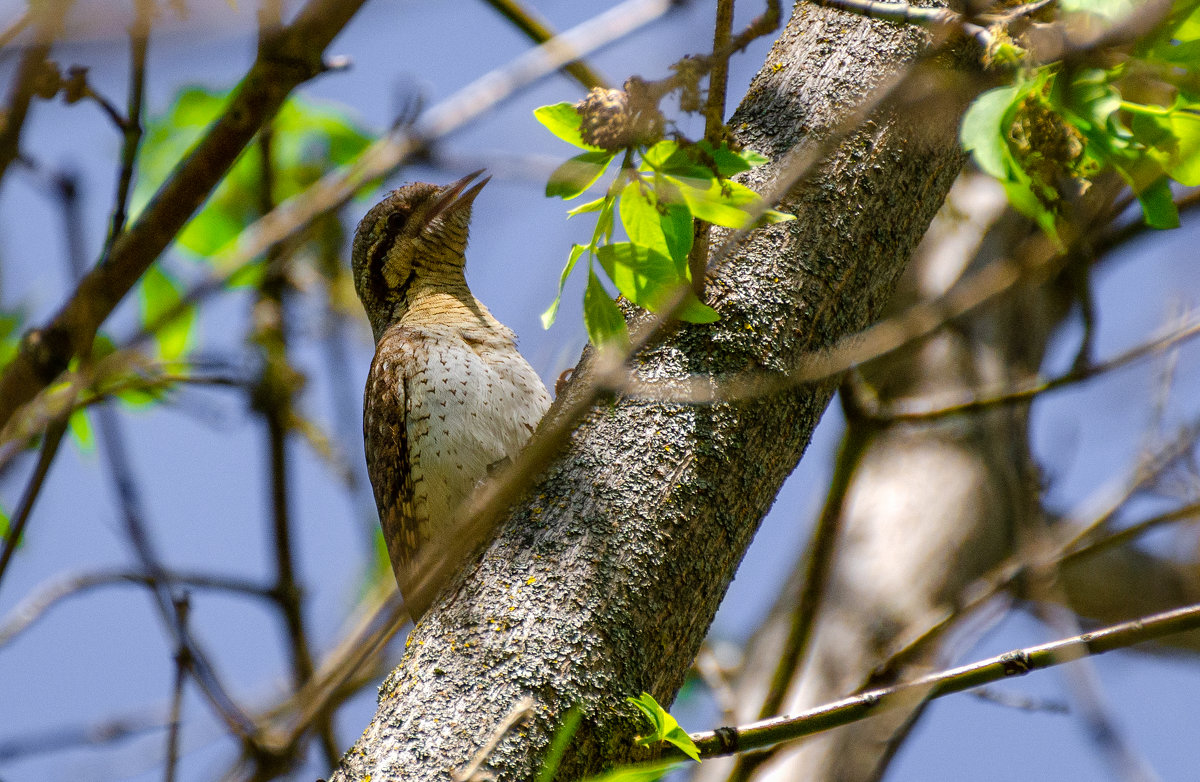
453	195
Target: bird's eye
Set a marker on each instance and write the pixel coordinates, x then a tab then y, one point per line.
396	220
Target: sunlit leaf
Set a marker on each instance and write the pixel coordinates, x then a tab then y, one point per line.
1158	204
161	303
590	206
641	772
81	431
562	120
721	203
601	315
984	130
577	174
666	728
552	311
651	280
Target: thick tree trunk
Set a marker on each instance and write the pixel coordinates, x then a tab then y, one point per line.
604	581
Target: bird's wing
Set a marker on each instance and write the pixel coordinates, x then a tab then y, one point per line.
385	409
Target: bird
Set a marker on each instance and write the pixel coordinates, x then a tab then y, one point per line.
448	397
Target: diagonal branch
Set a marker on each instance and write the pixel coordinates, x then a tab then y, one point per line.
286	58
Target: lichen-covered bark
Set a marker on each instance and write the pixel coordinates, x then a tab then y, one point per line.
604	581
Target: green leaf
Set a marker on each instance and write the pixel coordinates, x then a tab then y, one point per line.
650	280
552	311
1108	10
640	217
577	174
590	206
1158	205
560	742
984	130
657	156
81	431
601	315
725	203
562	120
158	297
10	336
666	728
308	139
641	772
1172	140
730	162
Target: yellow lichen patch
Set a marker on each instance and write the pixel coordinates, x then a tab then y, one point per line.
530	580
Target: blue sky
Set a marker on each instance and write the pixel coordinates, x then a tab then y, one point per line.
201	463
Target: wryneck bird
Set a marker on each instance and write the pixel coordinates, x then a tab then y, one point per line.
448	395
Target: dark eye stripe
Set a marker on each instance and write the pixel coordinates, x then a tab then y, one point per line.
393	225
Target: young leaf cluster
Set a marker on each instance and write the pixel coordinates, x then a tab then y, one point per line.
657	192
666	727
1139	116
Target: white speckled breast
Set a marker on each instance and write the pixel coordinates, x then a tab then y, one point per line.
472	404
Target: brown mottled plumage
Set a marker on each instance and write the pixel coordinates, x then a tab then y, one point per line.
448	394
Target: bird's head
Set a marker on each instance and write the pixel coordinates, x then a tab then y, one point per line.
416	235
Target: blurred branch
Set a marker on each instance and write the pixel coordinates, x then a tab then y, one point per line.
139	36
971	401
1066	536
15	27
820	556
35	605
272	397
61	738
286	58
729	740
714	133
47	19
530	22
120	469
183	663
50	442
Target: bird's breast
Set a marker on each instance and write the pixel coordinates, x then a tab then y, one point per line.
470	405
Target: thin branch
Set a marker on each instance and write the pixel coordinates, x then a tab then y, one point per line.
819	562
50	442
530	22
139	36
272	398
286	58
61	738
15	27
766	733
972	401
714	132
471	772
47	20
37	604
1098	509
183	663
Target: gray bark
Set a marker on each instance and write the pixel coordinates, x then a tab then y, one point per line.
603	582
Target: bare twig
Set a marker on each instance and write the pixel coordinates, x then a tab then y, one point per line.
971	401
46	19
728	740
139	36
472	771
50	442
272	398
35	605
183	662
286	57
530	22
